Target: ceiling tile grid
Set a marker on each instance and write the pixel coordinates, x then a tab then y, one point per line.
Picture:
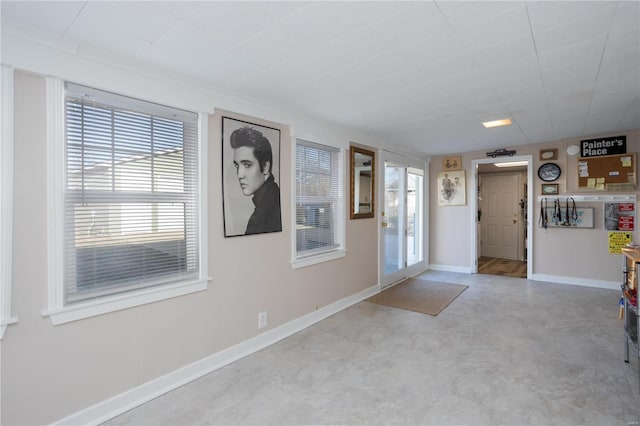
418	74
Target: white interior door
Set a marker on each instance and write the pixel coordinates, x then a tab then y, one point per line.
500	219
401	220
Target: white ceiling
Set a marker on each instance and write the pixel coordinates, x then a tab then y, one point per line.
420	75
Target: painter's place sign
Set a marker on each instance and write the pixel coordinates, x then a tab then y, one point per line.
604	146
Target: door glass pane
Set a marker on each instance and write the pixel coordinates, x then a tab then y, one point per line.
393	214
414	218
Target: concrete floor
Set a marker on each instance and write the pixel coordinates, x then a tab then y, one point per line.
506	352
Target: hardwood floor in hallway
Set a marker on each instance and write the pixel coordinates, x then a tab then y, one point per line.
505	267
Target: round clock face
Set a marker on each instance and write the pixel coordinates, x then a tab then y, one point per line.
549	172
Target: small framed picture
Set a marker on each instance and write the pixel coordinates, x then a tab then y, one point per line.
548	154
450	164
549	189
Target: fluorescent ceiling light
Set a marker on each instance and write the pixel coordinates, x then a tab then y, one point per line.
497	123
512	164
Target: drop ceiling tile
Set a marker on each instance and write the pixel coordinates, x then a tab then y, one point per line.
448	66
186	41
623	43
586	53
510	135
495	30
373	12
274	11
569	79
421	22
357	47
508	51
602	124
90	33
612	72
470	84
222	18
460	13
514	75
487	110
320	22
528	120
376	68
627	17
304	67
612	103
570	103
276	47
50	16
626	83
177	9
525	100
570	33
425	92
631	120
137	19
423	52
545	15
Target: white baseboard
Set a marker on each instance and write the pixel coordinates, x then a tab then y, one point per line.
558	279
450	268
584	282
132	398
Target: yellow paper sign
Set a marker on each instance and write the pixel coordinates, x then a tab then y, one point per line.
617	240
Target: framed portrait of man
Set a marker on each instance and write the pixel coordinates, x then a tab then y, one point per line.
250	178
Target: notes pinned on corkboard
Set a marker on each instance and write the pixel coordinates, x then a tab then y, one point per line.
600	172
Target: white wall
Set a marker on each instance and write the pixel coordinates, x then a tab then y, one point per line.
47	372
575	256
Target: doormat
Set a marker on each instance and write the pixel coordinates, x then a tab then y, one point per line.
427	297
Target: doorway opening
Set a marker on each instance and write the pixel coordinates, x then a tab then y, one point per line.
501	209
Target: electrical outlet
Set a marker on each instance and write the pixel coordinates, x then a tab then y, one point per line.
262	319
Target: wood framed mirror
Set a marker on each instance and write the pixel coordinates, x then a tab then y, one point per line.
362	183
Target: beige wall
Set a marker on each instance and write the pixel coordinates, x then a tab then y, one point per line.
572	253
51	372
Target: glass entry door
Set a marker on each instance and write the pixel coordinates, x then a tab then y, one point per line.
402	217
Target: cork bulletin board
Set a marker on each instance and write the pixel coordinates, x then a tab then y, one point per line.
598	172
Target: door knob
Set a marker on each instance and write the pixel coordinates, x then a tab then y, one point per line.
384	224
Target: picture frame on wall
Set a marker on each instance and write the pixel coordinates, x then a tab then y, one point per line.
549	154
452	163
250	178
550	189
452	188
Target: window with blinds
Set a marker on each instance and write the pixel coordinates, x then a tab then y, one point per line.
319	201
131	194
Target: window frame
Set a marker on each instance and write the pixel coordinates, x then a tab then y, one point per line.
58	311
6	198
339	214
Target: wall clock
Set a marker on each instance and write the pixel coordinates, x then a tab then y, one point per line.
549	172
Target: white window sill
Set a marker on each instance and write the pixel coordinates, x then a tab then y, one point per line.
105	305
318	258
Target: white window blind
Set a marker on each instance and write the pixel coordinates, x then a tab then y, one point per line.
319	201
131	201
